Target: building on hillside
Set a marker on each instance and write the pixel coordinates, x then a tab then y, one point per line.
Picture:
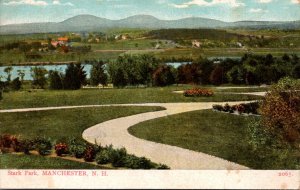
196	44
63	40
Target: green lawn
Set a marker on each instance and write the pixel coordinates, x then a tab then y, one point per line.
126	44
219	134
13	161
42	98
59	124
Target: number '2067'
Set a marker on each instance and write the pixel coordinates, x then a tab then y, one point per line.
285	174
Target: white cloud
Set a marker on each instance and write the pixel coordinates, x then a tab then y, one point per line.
57	2
26	2
258	11
232	3
264	1
295	1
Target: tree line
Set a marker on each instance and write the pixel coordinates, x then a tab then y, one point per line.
146	70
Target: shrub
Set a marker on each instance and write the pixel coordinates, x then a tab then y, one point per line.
103	157
6	140
135	162
218	107
117	156
89	154
16	84
162	167
77	147
42	145
27	145
240	108
197	92
61	148
281	110
226	108
270	151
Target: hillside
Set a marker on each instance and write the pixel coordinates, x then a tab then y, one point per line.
93	23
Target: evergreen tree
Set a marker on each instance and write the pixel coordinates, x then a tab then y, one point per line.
98	75
56	81
16	84
74	77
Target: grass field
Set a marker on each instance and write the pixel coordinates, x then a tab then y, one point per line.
223	52
138	44
44	98
59	124
13	161
16	58
219	134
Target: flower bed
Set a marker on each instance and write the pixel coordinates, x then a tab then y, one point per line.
79	149
249	108
197	92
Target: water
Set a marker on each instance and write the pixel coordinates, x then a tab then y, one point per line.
62	68
177	64
27	70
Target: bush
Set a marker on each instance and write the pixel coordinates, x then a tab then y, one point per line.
16	84
77	148
226	108
240	108
61	148
117	156
103	157
218	107
162	167
281	110
42	145
26	145
135	162
89	154
6	140
197	92
269	150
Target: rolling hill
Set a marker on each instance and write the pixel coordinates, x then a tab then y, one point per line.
93	23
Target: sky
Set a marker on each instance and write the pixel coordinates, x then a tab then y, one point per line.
28	11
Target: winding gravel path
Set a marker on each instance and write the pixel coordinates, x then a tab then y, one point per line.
115	132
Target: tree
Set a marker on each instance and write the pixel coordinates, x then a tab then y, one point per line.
163	76
39	77
8	71
21	74
16	84
98	75
216	76
296	71
56	80
281	110
74	77
119	79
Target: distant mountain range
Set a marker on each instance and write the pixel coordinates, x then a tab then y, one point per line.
83	23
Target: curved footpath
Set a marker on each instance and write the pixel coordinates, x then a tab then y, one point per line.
115	132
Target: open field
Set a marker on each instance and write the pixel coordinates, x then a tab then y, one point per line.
219	134
59	124
223	52
45	98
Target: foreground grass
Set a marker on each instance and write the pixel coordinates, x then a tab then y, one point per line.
43	98
60	124
11	161
219	134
